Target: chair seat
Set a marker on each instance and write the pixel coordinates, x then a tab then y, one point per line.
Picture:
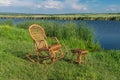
55	47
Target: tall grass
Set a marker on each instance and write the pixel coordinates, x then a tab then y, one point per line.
79	34
8	32
69	33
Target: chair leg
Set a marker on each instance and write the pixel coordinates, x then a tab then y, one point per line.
61	54
38	54
28	56
53	55
44	62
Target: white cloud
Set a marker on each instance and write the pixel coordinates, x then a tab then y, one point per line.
113	8
22	3
16	3
39	6
67	4
91	1
75	4
5	2
45	4
52	4
79	6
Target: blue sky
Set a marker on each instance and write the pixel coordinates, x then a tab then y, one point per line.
60	6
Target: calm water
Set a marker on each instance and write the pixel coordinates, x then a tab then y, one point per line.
106	32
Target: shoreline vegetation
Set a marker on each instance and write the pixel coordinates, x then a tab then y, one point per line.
68	32
82	16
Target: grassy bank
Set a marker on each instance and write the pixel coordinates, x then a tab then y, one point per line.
15	43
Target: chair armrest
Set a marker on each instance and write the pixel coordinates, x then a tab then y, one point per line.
56	40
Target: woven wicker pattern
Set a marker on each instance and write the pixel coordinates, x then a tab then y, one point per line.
37	32
38	35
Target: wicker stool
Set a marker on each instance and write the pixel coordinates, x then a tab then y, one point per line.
79	53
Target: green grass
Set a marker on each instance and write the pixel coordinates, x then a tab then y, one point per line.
15	43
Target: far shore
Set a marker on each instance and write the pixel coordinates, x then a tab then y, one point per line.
82	16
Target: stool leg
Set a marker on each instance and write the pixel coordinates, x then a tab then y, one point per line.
79	59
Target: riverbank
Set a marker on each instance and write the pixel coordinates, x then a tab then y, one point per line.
83	16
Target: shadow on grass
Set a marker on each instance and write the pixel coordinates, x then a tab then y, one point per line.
22	55
19	54
69	60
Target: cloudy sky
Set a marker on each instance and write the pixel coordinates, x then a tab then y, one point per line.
60	6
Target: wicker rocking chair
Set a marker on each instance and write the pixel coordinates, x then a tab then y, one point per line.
40	43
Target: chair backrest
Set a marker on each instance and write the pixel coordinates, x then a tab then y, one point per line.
38	35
